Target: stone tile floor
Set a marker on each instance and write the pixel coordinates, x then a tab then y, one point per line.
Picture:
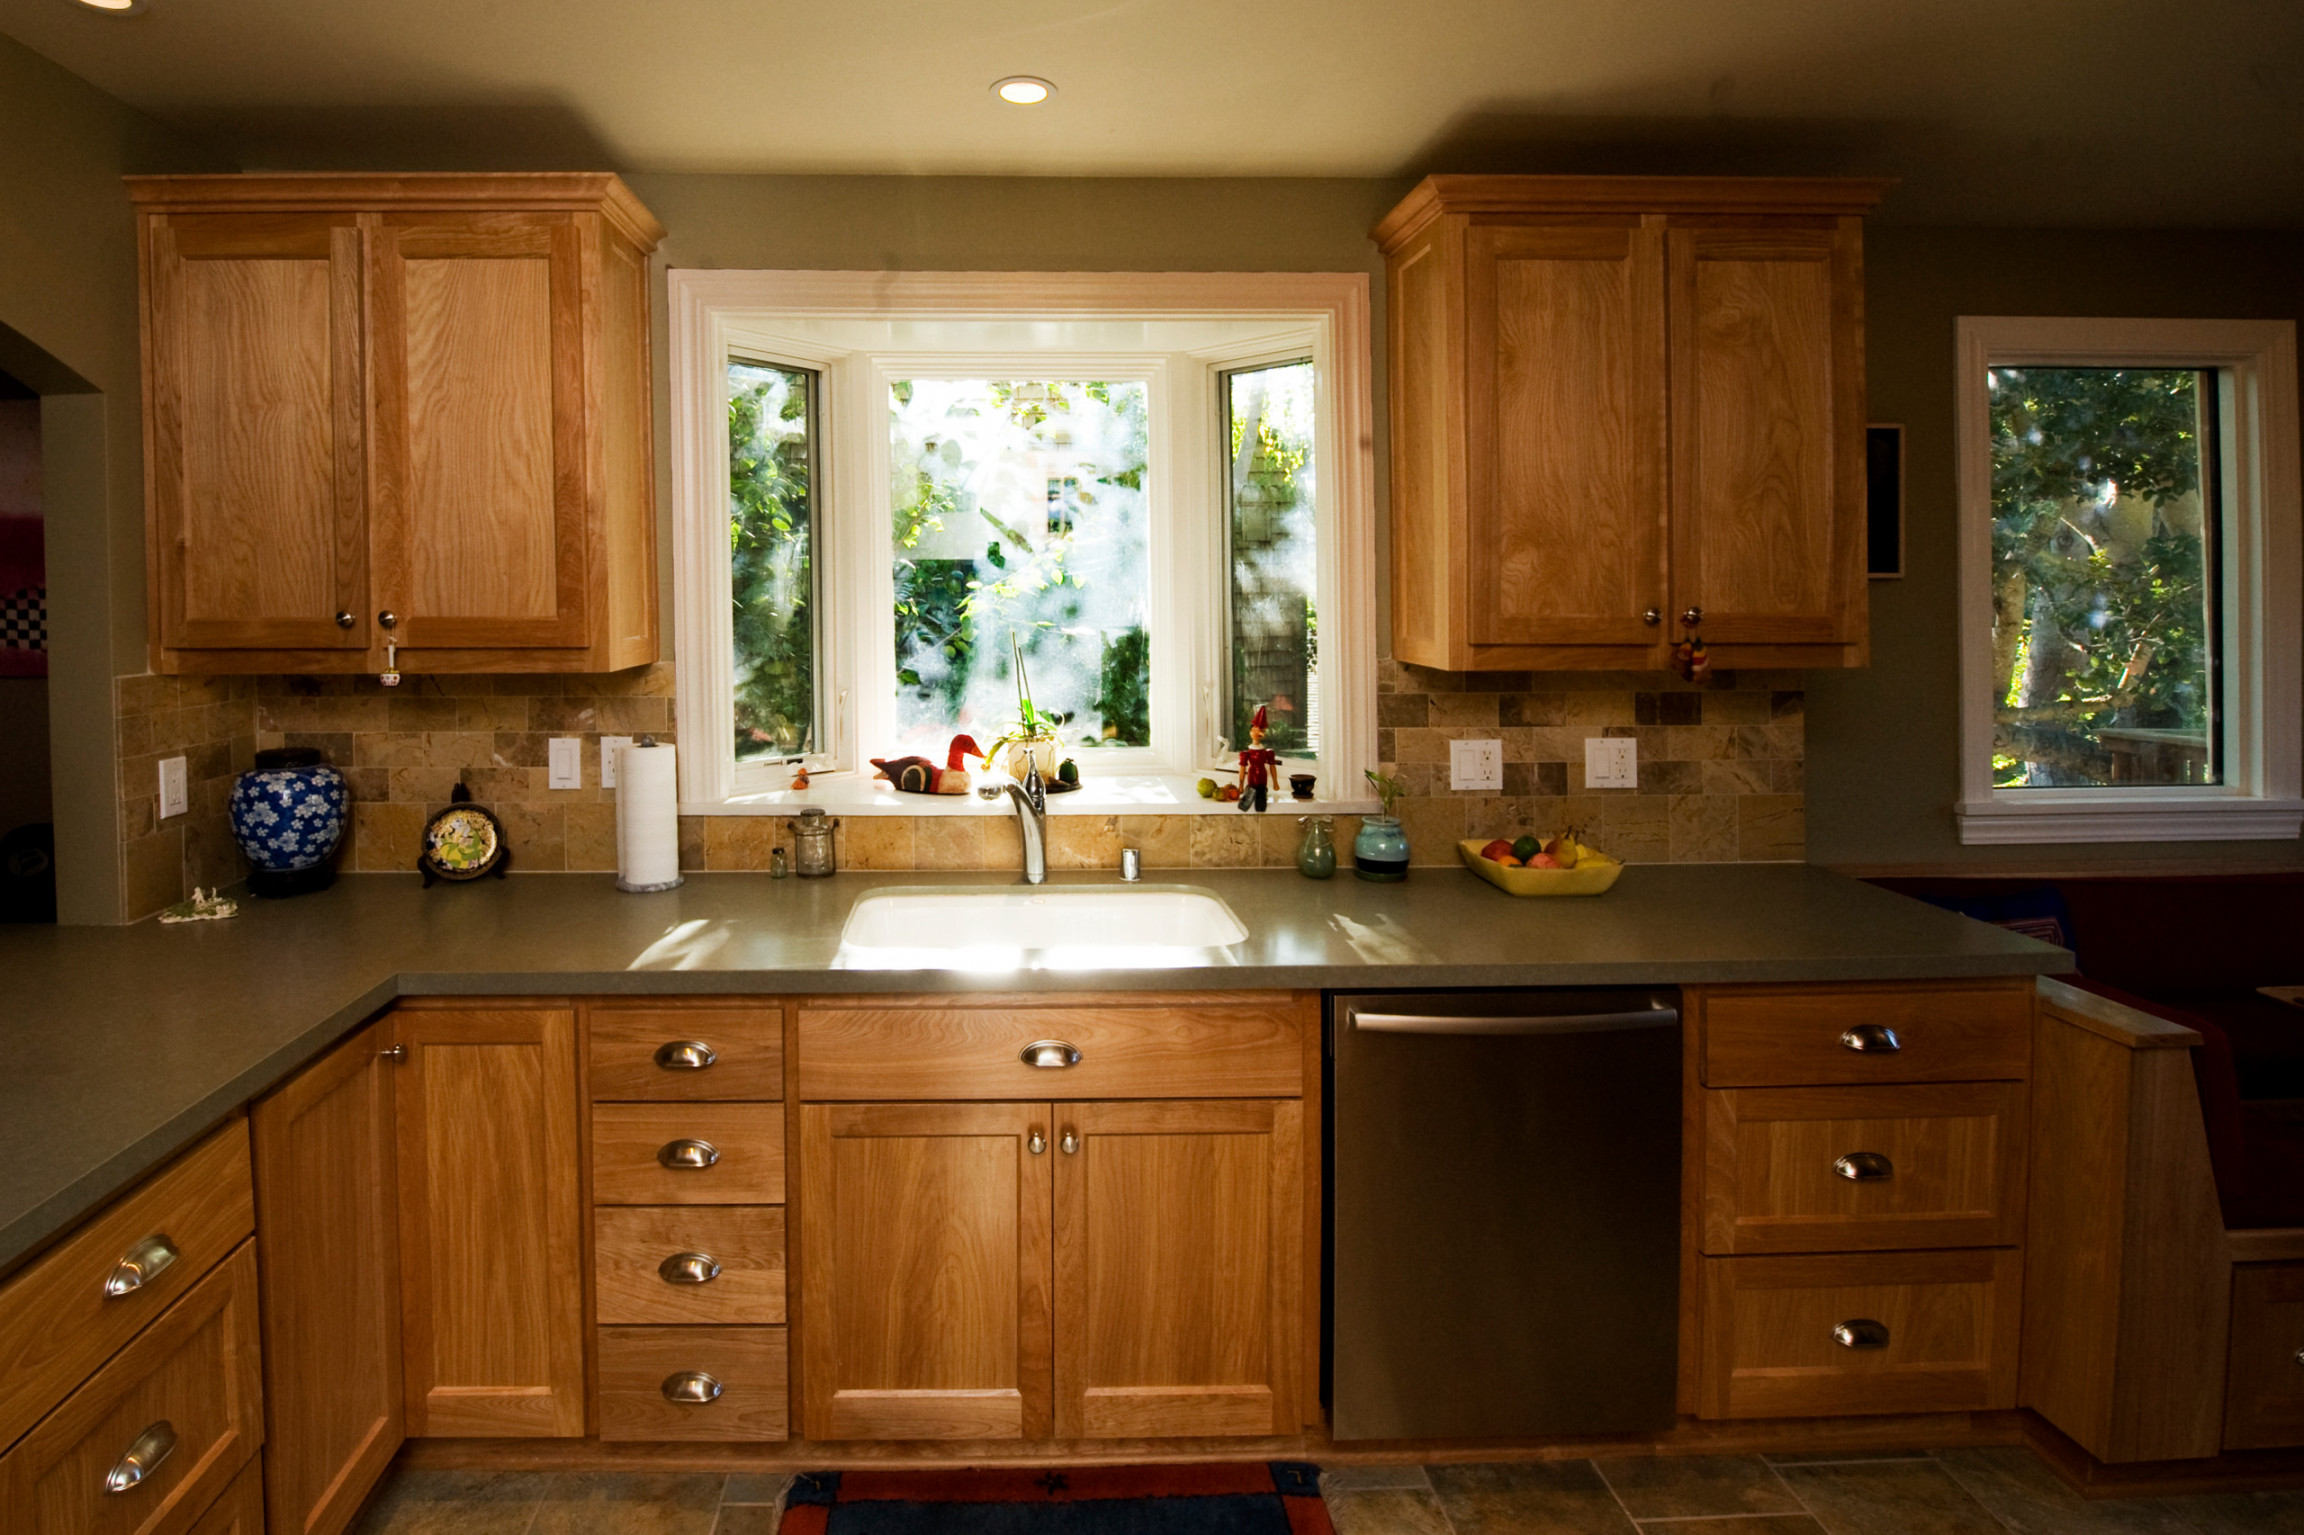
1948	1492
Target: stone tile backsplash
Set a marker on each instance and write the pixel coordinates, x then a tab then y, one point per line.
1720	769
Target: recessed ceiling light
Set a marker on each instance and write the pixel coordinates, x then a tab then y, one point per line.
1021	90
114	7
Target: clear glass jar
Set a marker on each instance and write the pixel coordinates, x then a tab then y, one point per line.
1316	854
812	855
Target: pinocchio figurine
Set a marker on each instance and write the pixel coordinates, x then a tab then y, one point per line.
1258	766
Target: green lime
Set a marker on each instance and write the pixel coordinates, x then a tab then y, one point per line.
1526	848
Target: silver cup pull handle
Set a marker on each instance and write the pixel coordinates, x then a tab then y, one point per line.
694	1387
1864	1167
685	1055
689	1268
142	1458
140	1265
1050	1054
687	1153
1871	1039
1861	1333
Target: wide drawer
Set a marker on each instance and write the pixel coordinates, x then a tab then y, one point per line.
185	1399
638	1152
1230	1048
2264	1375
60	1318
1829	1169
686	1053
737	1375
743	1251
1860	1333
1798	1036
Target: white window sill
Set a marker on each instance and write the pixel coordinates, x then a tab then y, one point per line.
2090	816
1098	794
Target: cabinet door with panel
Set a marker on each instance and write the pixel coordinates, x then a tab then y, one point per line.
1564	358
491	1246
329	1251
480	365
1767	432
925	1231
253	421
1178	1251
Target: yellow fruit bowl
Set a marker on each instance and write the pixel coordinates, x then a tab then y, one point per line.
1593	874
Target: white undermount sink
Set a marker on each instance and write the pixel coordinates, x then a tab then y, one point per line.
1053	927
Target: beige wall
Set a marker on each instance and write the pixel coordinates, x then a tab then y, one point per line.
1883	743
68	329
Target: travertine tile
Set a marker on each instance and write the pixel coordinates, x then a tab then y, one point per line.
385	835
1704	828
591	836
953	841
1895	1497
1335	1479
1530	1498
2242	1513
1771	826
1685	1486
1384	1511
1084	842
1434	827
1224	842
2017	1488
1464	709
452	1503
628	1503
537	836
1164	840
1738	1524
741	842
877	842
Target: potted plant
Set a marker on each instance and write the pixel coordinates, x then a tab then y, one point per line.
1380	850
1032	735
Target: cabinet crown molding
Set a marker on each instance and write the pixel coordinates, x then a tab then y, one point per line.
319	191
1793	196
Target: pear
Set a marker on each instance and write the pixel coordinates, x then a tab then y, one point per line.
1562	850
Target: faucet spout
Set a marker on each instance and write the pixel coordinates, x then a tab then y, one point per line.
1031	800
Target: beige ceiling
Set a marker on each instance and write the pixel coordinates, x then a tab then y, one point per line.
2038	111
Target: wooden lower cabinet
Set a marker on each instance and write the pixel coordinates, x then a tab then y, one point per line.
239	1510
925	1232
2264	1378
1178	1268
330	1260
1849	1333
491	1221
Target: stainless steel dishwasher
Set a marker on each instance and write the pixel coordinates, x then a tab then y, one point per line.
1505	1178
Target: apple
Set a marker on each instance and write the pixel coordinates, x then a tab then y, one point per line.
1544	861
1497	851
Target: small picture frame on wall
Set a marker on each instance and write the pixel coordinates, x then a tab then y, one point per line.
1884	501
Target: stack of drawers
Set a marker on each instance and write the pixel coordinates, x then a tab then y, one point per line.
131	1388
1859	1154
688	1220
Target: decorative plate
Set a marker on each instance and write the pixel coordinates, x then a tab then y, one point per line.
462	842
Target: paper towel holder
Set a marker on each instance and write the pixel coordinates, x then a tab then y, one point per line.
645	742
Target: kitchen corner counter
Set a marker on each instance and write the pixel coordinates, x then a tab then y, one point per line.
121	1045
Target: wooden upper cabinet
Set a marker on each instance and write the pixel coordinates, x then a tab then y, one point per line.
491	1215
1619	399
422	396
254	463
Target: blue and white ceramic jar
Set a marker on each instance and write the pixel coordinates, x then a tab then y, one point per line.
1380	850
288	815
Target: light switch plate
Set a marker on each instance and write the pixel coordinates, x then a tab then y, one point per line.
1611	762
1476	765
175	796
565	755
609	747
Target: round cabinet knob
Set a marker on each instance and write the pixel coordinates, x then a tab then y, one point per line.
693	1387
687	1153
1871	1039
1652	617
1049	1054
2300	1356
1692	617
1864	1167
1861	1333
345	620
140	1265
689	1268
142	1457
1037	1141
388	619
1070	1143
685	1055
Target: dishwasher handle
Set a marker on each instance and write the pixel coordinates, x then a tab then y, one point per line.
1558	1023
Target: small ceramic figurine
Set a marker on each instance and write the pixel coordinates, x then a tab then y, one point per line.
800	778
1258	766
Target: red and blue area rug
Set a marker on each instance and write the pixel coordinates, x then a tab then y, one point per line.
1278	1497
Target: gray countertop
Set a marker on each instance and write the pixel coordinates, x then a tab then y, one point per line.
120	1046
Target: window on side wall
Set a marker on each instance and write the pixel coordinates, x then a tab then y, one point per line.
898	500
2129	580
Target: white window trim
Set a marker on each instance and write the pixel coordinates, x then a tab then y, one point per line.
711	311
2263	583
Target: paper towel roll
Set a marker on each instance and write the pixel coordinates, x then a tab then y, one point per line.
647	818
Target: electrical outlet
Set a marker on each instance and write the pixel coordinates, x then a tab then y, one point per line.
1611	762
1476	765
565	754
175	797
609	747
